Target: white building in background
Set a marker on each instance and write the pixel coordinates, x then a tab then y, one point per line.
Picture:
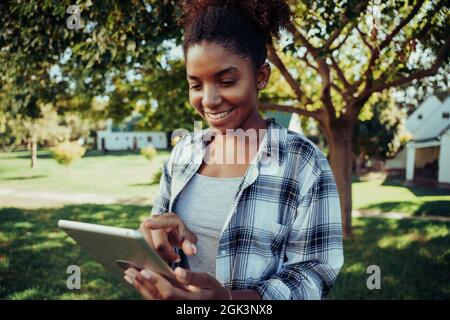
109	140
429	149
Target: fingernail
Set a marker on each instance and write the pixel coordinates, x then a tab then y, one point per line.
131	274
194	248
147	274
128	279
182	273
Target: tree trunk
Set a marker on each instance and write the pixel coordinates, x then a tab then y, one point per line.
340	148
359	163
33	153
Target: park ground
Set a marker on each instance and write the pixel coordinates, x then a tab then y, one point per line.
412	250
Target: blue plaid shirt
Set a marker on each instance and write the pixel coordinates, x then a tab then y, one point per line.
283	235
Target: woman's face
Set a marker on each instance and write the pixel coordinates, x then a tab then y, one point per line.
223	86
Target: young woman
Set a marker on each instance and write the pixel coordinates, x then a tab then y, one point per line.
265	227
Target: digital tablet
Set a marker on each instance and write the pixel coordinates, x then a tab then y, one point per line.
117	249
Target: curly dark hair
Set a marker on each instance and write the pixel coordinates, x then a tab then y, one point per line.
243	26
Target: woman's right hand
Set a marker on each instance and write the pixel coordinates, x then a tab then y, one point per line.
164	232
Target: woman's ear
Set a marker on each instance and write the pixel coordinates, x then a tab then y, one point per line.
262	76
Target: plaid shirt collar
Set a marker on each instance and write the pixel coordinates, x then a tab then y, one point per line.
269	157
272	145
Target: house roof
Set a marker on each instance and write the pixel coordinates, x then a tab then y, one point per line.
428	121
436	138
422	113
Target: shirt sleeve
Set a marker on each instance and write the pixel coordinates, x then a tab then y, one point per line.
161	203
314	249
162	200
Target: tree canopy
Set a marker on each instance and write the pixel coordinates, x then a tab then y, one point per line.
334	59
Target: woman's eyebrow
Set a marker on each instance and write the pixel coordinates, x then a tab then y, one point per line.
218	74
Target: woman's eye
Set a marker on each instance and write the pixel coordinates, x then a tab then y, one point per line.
195	87
228	83
223	83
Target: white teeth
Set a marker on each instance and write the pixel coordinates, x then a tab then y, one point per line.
219	115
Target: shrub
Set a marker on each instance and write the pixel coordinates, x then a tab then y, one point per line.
157	177
67	152
149	152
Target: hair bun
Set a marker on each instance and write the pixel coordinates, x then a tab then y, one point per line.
269	16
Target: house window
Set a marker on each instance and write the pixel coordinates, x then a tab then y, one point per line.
445	115
149	139
419	116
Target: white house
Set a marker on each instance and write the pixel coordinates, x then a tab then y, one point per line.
123	139
429	149
129	140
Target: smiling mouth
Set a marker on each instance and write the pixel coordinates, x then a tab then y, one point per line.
217	116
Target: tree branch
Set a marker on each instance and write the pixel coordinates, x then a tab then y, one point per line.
364	39
275	59
333	37
342	42
337	89
305	59
335	34
298	36
375	52
323	69
428	24
318	114
408	18
440	58
339	72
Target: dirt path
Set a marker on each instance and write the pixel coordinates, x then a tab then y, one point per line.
396	216
38	199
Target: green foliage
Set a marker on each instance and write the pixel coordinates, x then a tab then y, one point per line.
157	176
41	60
149	152
377	133
360	29
123	38
47	129
67	152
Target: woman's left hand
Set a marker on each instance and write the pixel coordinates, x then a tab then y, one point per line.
199	285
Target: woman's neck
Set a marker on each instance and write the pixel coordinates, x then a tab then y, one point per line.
254	121
245	140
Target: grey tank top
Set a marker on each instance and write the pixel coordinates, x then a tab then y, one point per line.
203	205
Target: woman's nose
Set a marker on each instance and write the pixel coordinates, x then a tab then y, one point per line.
211	97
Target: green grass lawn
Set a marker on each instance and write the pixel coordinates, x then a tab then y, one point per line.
35	254
117	174
128	175
392	196
413	255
